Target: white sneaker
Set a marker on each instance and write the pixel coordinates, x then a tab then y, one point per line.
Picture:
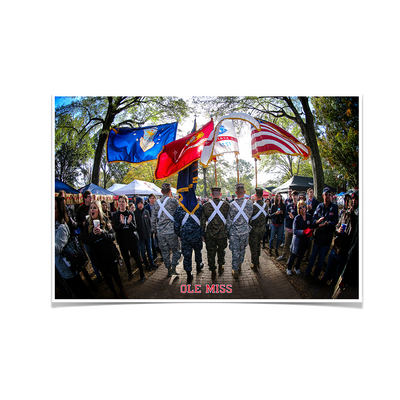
280	258
298	272
289	272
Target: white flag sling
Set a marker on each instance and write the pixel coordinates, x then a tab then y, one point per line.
186	217
163	210
240	213
262	210
216	212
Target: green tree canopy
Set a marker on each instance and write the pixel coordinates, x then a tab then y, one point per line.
338	123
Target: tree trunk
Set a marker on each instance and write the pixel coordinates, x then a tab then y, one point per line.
97	158
111	112
308	131
311	141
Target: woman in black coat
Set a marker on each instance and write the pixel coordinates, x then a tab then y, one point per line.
277	215
144	231
124	224
103	250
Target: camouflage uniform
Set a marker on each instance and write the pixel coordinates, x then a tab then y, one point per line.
239	230
191	234
257	223
164	226
216	236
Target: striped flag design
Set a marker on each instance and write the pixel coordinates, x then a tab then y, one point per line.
273	139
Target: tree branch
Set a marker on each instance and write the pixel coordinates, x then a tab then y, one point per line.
129	104
297	117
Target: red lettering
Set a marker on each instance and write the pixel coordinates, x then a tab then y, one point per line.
197	288
229	288
222	288
183	288
190	290
210	289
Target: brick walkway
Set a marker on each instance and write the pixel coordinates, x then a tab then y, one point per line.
267	283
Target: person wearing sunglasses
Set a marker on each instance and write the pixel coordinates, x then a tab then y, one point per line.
301	232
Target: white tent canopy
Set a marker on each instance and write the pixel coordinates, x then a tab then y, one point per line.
116	186
139	188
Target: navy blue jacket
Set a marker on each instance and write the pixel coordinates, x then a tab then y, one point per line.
323	235
191	229
148	208
300	240
290	208
314	205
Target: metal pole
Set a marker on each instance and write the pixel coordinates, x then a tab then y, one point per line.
237	167
215	172
255	162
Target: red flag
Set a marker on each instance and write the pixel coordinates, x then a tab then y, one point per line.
180	153
273	139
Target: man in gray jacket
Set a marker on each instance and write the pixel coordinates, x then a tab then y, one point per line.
162	222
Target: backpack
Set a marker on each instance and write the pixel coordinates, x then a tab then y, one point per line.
74	254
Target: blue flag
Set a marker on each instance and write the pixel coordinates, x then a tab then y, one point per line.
186	187
137	145
187	183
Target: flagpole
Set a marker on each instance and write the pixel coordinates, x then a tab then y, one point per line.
255	162
215	172
237	167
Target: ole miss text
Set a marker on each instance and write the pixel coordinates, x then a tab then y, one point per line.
209	288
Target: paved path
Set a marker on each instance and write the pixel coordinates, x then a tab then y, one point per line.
267	283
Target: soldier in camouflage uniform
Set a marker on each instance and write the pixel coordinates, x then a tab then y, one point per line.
238	228
187	227
214	214
162	222
257	224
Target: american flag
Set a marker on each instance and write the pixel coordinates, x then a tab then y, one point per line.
273	139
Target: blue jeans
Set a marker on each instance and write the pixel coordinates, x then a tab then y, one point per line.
299	255
321	252
143	246
279	237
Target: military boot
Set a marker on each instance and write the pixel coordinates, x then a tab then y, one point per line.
189	276
213	274
235	273
220	269
199	267
254	267
169	272
276	252
240	269
173	271
270	252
